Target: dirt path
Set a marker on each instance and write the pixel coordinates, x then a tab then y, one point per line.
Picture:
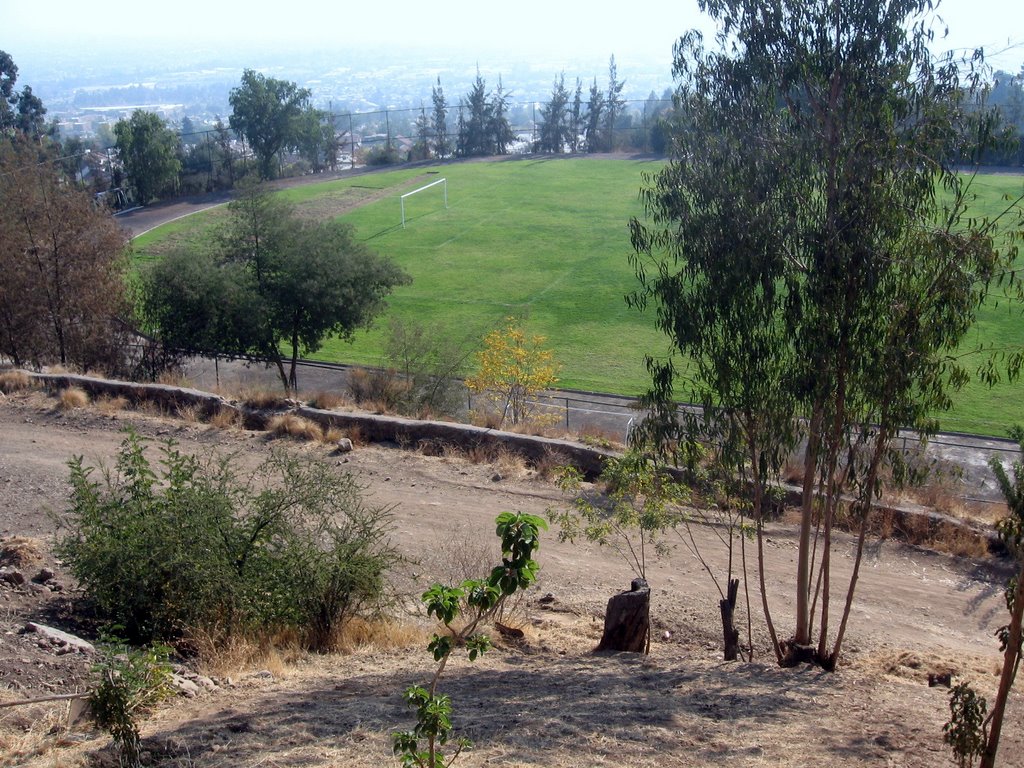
546	701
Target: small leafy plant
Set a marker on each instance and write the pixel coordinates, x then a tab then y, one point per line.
463	610
640	504
965	732
130	682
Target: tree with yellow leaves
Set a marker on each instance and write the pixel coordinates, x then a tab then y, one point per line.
512	367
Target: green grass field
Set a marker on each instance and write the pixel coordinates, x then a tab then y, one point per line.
546	239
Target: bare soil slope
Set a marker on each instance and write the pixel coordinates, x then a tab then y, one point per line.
545	700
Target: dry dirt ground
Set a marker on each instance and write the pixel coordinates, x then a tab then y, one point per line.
546	700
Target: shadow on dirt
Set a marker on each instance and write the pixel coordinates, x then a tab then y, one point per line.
527	708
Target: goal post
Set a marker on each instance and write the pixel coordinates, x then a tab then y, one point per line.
443	181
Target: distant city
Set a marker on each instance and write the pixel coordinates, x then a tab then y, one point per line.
89	90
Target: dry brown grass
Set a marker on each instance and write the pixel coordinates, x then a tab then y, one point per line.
923	531
71	398
294	426
110	405
173	379
333	435
549	463
356	435
378	391
190	414
328	401
280	652
14	381
485	419
225	418
379	635
596	437
20	551
31	735
511	464
263	399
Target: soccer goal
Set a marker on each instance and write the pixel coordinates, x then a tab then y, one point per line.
443	182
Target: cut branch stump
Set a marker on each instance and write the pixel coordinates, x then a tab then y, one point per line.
627	620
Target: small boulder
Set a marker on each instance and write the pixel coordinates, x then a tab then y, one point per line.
59	639
44	575
11	575
184	686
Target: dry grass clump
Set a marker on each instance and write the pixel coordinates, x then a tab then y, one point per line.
596	437
110	405
381	634
173	379
549	463
485	419
20	551
925	531
334	434
327	401
511	464
221	654
264	399
14	381
32	733
190	414
354	433
378	391
225	418
71	398
294	426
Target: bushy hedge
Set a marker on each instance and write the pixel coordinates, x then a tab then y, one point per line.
180	545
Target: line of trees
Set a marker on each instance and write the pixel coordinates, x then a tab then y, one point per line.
273	281
813	283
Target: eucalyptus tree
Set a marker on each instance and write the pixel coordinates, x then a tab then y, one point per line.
576	117
500	129
808	254
474	131
149	150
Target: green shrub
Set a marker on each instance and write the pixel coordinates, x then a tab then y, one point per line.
432	362
191	545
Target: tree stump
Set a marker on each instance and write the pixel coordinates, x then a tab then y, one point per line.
729	631
627	620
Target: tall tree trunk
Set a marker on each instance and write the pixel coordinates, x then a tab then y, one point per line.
801	635
759	522
1011	661
865	508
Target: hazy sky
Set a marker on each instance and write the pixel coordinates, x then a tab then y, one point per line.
524	27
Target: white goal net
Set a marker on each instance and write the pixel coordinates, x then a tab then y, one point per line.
443	182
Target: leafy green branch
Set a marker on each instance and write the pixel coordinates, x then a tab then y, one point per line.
462	610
